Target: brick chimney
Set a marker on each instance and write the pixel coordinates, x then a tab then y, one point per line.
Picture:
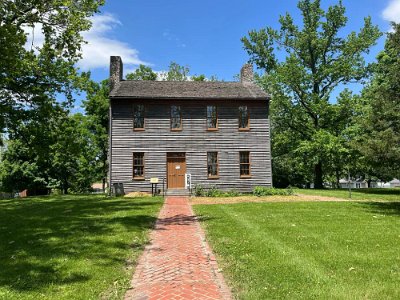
116	69
246	74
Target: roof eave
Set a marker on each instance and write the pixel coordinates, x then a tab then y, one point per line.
189	98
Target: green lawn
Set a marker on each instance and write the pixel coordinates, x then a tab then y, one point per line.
357	194
71	247
307	250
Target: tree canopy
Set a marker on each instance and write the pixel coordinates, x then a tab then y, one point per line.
142	73
32	75
317	59
379	124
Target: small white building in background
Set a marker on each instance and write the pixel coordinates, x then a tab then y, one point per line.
363	184
395	183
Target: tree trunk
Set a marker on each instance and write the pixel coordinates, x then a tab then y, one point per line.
65	188
369	183
337	179
318	184
104	184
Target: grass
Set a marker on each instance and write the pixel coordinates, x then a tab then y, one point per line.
357	194
71	247
307	250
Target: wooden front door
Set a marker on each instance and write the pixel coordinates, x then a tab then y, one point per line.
176	168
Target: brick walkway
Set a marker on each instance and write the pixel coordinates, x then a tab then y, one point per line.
178	264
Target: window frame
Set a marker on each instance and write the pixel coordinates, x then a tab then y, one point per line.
240	118
144	118
217	166
216	117
180	118
142	165
248	164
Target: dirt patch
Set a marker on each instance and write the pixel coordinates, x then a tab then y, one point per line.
137	194
241	199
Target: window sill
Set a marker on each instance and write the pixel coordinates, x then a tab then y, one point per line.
176	129
138	178
244	129
213	177
212	129
245	176
138	129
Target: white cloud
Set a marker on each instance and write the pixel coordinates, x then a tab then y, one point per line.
96	53
392	11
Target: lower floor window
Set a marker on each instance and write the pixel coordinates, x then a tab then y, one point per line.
244	163
212	164
138	165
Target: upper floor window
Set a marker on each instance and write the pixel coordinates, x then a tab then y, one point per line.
244	157
212	164
176	117
243	118
138	165
138	116
212	117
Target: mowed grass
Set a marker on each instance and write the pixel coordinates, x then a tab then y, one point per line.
307	250
71	247
381	194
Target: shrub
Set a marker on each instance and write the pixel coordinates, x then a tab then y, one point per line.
198	191
232	193
264	191
214	192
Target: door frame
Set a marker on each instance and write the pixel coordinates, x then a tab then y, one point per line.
169	155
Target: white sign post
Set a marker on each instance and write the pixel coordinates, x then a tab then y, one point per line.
188	181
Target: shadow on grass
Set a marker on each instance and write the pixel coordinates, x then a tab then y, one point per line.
381	191
387	208
44	241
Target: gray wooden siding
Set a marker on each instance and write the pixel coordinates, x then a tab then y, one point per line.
157	139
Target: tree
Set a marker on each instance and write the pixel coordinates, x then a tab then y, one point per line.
31	76
201	77
177	72
317	61
54	152
142	73
96	107
379	139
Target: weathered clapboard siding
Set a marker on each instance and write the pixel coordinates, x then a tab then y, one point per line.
194	139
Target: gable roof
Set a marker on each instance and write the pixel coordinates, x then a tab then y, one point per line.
187	90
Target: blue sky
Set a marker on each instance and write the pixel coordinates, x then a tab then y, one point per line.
204	35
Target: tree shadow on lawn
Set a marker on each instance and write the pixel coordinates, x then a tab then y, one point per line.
378	191
45	241
387	208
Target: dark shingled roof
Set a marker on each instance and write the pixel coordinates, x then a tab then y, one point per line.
187	90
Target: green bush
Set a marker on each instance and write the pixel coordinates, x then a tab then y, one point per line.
264	191
200	191
232	193
214	192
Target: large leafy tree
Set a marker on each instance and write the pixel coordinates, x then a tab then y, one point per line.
31	76
96	107
379	126
142	73
304	65
177	72
51	150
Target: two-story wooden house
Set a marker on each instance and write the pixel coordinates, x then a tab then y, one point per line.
218	132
